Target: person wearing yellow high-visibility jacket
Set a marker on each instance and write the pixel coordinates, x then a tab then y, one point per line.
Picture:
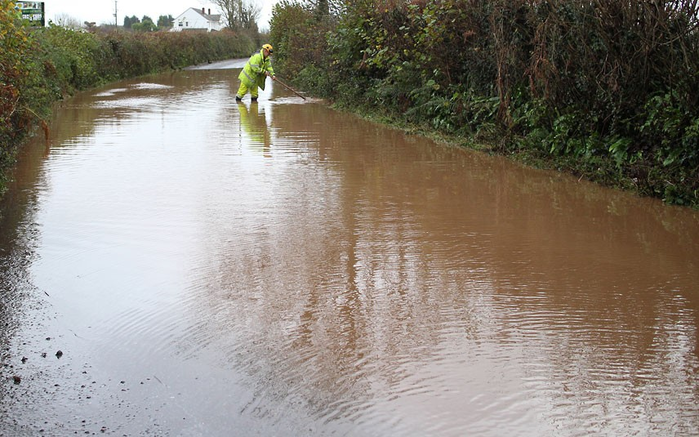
256	70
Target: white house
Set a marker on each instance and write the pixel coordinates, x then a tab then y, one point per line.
197	19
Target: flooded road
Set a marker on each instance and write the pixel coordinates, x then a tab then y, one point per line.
176	264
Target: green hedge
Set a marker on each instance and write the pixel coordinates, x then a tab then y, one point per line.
15	60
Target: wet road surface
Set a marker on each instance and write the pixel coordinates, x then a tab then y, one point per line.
176	264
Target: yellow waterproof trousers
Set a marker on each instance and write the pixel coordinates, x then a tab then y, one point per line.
244	90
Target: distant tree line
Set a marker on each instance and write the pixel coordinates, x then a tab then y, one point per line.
605	89
146	24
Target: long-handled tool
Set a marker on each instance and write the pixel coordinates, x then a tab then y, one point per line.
276	79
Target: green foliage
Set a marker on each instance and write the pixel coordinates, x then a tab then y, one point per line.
672	128
146	25
130	21
313	78
16	47
294	46
165	21
69	58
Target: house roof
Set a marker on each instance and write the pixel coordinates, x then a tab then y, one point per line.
212	17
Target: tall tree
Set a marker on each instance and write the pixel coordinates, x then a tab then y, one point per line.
249	14
65	20
239	14
165	21
130	21
146	25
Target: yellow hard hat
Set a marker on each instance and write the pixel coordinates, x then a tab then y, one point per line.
267	47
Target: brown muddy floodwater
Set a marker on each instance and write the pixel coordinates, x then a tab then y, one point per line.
207	268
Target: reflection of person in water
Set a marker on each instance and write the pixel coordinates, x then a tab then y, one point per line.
255	126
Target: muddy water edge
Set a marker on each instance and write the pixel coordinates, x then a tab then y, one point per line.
177	264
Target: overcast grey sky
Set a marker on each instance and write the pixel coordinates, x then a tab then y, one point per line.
102	11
